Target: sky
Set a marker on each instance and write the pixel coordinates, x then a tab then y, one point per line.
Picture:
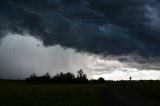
106	38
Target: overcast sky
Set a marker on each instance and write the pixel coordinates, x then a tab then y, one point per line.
108	38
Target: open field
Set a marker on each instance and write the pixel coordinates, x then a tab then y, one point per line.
19	93
131	93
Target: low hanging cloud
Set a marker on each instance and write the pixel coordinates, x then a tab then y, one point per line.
104	27
20	61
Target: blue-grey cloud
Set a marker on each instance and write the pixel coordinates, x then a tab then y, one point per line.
105	27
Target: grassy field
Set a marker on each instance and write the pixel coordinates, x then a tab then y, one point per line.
13	93
146	88
19	93
149	89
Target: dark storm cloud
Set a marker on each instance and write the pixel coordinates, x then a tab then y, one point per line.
106	27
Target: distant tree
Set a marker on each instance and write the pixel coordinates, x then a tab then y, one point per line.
84	76
81	77
80	73
64	78
70	75
130	78
33	75
33	78
46	76
101	79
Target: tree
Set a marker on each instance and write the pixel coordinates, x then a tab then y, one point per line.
46	76
64	78
80	73
33	78
33	75
130	78
81	77
101	79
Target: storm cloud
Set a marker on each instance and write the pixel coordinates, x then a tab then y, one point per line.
101	27
20	56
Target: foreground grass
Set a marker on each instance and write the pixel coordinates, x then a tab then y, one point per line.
18	93
147	88
21	94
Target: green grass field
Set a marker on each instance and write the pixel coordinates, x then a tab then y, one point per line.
150	88
147	88
21	94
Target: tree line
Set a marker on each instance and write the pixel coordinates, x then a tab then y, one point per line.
62	78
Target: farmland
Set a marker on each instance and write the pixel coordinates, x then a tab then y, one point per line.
20	93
